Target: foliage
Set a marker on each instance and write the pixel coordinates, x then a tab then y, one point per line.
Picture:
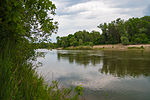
124	40
57	93
131	31
79	38
22	24
140	39
44	45
27	18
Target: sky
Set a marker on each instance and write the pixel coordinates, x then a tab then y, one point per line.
75	15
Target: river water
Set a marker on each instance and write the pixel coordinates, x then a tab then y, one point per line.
105	75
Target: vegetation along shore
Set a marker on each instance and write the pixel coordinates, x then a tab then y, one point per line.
109	47
133	32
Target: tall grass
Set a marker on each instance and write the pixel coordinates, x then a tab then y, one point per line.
19	81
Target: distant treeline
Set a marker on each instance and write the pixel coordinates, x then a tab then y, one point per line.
131	31
42	45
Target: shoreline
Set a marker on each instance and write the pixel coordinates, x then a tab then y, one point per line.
109	47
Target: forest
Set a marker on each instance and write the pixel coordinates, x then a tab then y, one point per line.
131	31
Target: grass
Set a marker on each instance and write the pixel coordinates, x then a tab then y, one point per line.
136	47
19	80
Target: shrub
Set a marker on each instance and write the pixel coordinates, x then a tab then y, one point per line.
124	40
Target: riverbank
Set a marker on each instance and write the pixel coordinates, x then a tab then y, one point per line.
109	47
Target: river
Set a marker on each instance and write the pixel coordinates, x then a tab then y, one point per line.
105	75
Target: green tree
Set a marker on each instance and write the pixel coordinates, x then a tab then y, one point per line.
73	41
140	39
124	40
94	36
80	42
27	18
23	22
104	28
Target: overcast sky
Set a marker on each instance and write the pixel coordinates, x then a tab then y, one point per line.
75	15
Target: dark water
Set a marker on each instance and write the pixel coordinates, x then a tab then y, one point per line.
105	75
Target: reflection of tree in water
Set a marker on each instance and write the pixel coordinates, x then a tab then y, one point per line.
80	58
125	63
116	63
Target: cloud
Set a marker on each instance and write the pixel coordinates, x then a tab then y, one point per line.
75	15
147	11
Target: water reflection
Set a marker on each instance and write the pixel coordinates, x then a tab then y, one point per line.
116	63
99	72
80	58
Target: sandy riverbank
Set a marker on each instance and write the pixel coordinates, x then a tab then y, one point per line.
120	46
110	47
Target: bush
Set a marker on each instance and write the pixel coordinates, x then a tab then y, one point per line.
140	39
124	40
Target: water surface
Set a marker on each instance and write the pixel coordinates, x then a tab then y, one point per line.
105	75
